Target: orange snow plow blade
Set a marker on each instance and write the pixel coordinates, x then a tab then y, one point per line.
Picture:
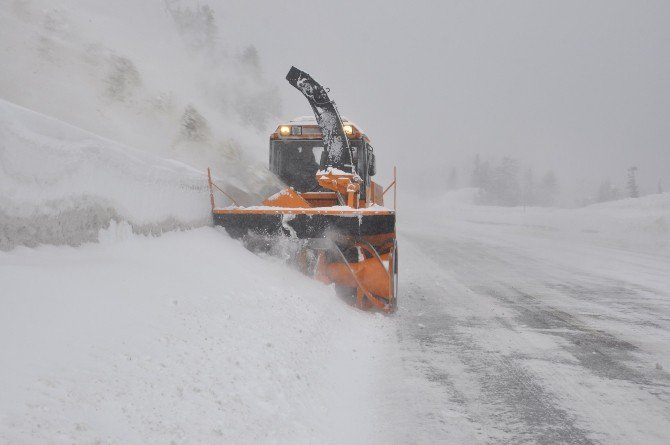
373	278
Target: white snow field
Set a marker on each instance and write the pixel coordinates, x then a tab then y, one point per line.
139	338
127	318
185	338
535	325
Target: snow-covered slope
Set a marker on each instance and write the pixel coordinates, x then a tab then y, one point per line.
61	185
95	109
186	338
141	338
183	337
153	75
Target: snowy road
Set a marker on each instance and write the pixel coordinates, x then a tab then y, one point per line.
513	334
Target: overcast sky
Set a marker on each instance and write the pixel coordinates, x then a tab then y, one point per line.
579	86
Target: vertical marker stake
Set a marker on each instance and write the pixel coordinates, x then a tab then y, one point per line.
211	191
395	187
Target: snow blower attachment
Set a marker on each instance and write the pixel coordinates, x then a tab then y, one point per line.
331	220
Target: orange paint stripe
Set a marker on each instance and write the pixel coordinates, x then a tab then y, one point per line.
301	211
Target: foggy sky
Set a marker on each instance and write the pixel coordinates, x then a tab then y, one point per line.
579	86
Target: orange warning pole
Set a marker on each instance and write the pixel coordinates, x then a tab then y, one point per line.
211	191
395	187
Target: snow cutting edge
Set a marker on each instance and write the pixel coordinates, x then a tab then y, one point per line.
332	212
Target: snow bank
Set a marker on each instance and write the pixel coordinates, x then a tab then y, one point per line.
178	92
641	223
187	338
61	185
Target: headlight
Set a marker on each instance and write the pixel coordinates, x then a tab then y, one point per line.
348	129
284	130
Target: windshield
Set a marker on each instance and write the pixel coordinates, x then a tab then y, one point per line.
297	161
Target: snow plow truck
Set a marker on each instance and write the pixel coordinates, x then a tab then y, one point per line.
332	214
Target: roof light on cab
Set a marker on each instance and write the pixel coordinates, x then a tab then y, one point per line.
348	129
284	130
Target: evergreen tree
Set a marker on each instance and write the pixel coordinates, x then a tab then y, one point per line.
528	188
503	188
123	78
607	192
480	179
196	24
251	61
477	173
453	179
633	191
194	126
503	184
548	189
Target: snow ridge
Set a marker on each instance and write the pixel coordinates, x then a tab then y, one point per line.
61	185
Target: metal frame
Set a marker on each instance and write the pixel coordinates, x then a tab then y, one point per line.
212	185
393	184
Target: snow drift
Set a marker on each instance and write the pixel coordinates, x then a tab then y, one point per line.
61	185
178	92
636	223
140	339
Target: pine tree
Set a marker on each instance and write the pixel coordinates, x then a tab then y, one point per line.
476	179
123	78
607	192
453	179
194	126
603	191
503	188
548	189
633	191
197	24
481	179
528	197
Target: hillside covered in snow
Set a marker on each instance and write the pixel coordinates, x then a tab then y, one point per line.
128	318
98	125
178	91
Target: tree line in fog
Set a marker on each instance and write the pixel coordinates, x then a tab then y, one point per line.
507	182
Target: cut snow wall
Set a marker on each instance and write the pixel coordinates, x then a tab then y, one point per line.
61	185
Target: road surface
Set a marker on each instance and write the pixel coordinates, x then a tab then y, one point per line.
521	335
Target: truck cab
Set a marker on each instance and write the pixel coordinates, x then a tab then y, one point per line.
297	153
